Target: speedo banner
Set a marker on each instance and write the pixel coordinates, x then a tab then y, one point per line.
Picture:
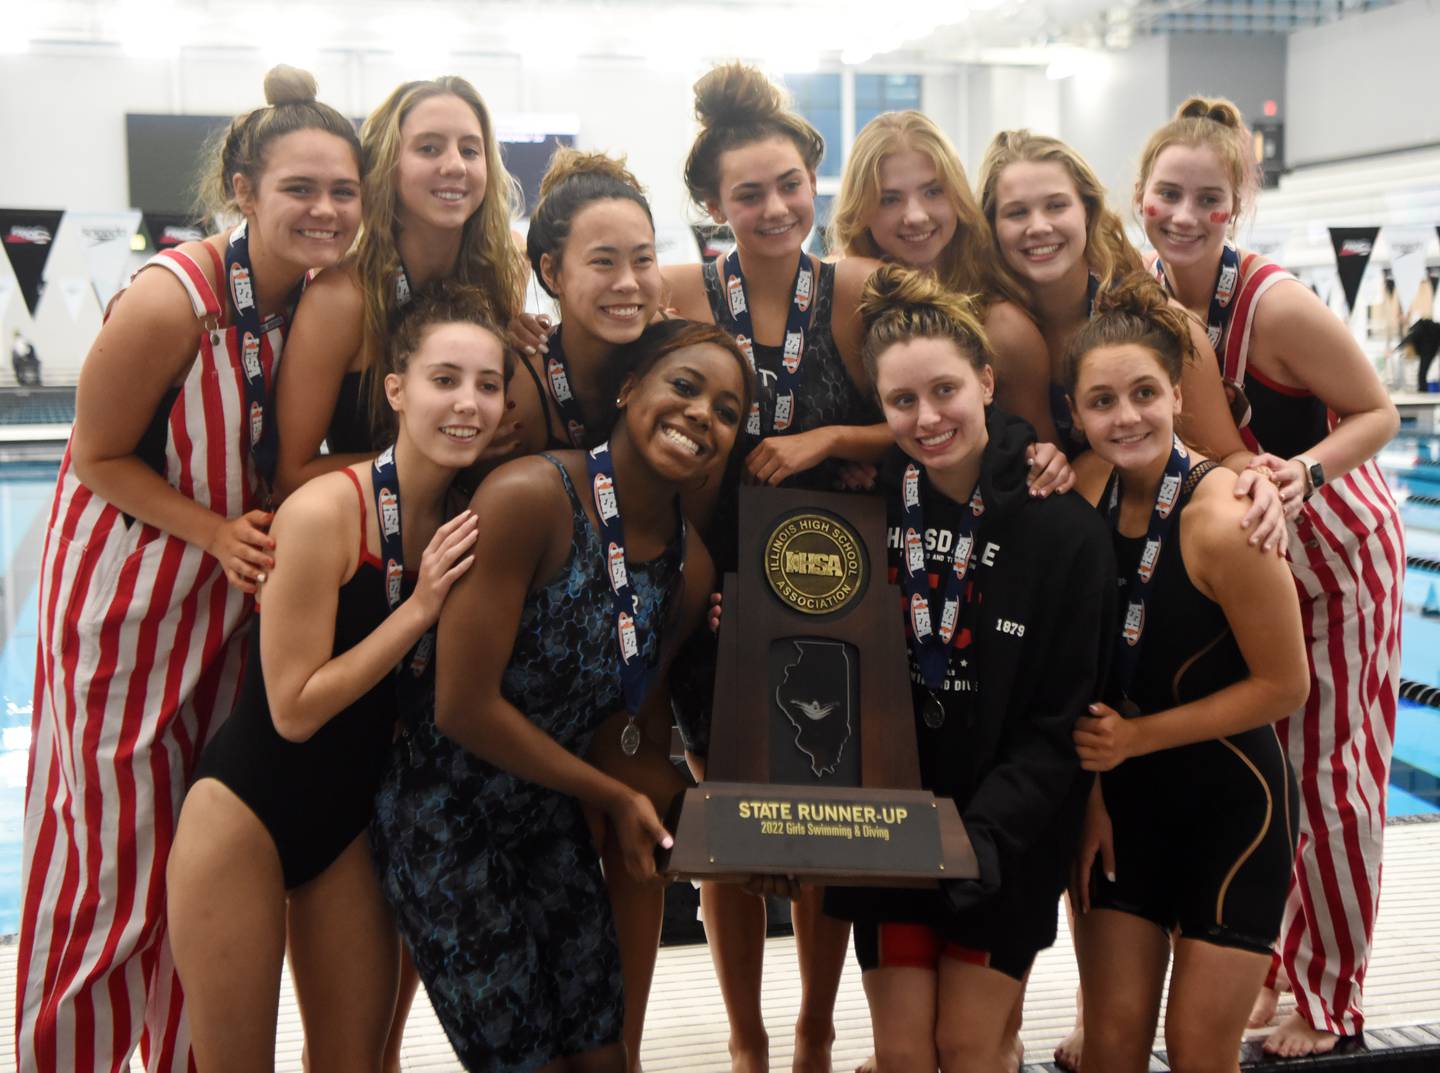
105	241
28	235
1353	246
168	230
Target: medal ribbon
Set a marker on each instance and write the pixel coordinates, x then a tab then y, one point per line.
1162	517
787	377
557	375
252	337
635	673
931	641
386	481
1227	284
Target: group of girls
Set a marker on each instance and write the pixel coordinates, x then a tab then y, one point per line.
448	750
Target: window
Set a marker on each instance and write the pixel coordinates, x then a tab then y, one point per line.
817	98
884	93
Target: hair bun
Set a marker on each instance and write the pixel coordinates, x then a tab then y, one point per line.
567	163
289	85
895	288
1136	294
736	93
1216	109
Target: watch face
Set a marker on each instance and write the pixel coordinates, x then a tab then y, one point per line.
1317	475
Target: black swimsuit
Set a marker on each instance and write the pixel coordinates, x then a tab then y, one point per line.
1204	833
313	797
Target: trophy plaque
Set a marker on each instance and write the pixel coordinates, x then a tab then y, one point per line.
813	770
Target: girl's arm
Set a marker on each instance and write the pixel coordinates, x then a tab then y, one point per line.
778	457
147	345
1022	369
527	529
685	292
319	529
1258	597
1205	420
327	334
1315	350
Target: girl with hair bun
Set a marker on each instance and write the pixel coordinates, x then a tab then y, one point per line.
1006	650
157	540
904	197
592	247
271	851
1317	416
752	166
1194	823
482	843
1051	228
438	206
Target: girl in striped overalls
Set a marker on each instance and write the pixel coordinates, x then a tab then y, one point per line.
156	540
1318	414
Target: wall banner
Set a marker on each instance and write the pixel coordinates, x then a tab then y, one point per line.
28	235
1353	246
168	230
105	239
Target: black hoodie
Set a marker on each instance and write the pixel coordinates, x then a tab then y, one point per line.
1037	635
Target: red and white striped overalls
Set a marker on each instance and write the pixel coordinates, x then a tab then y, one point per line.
1347	552
139	659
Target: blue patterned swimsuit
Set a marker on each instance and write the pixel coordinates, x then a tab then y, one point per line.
494	880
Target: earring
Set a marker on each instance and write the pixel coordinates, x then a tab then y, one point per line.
619	403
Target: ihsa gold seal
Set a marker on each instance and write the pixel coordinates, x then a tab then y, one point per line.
815	563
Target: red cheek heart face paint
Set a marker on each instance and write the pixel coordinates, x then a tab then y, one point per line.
1151	211
1219	217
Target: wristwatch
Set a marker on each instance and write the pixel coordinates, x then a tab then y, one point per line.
1314	474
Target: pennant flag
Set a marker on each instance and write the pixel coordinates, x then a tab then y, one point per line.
1407	262
1353	246
72	289
105	240
168	230
27	235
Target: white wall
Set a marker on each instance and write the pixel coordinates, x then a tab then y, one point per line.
62	123
1363	85
1109	108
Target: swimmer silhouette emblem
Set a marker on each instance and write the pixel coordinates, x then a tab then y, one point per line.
820	713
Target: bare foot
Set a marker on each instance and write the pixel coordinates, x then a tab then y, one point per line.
812	1048
1067	1051
1294	1038
868	1066
1263	1012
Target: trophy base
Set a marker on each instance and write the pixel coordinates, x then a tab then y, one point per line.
856	836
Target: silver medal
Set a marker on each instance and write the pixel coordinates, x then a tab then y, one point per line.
933	712
630	738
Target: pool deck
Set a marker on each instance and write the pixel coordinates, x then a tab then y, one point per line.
686	1029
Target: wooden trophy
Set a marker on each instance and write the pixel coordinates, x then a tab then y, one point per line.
813	770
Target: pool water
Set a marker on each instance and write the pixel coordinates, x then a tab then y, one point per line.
1411	463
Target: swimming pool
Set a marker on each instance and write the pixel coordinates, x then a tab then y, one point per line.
1411	463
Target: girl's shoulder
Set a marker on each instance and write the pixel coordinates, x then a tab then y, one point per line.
686	285
336	290
329	502
1212	515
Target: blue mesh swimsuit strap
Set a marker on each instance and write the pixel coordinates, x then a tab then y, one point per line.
576	510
